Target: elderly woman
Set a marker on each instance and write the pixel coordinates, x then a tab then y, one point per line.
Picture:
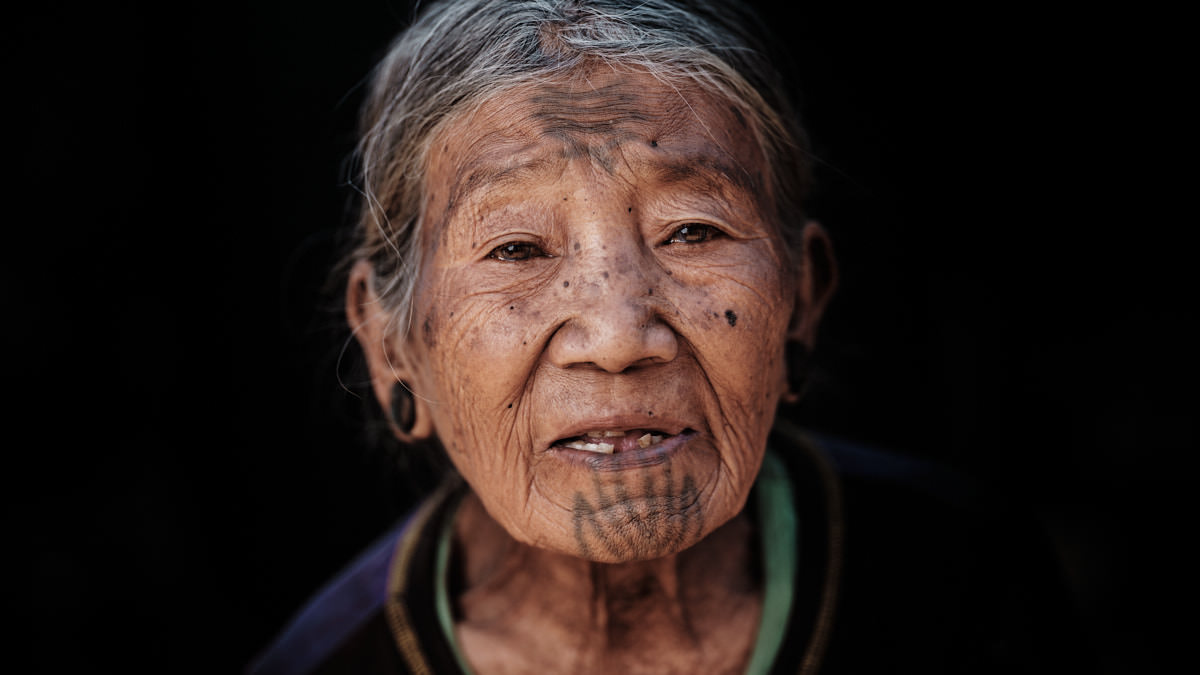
584	275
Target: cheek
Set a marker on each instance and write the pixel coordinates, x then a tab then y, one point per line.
737	324
738	319
479	352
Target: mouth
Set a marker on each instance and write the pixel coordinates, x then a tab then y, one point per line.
615	441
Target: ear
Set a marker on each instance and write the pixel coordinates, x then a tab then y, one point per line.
815	283
389	357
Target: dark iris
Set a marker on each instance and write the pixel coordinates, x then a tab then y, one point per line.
693	233
516	252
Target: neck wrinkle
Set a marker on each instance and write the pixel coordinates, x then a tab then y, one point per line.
502	581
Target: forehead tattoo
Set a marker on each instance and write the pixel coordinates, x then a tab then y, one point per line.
595	122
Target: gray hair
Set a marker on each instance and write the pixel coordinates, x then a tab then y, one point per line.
460	53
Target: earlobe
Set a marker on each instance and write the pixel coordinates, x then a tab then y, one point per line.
408	415
388	362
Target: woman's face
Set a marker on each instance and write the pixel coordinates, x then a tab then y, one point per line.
599	326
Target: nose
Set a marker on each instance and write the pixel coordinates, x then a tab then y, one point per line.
616	319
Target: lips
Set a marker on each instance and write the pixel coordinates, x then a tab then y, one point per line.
609	441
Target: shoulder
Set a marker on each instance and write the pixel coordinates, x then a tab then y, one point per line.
941	572
344	617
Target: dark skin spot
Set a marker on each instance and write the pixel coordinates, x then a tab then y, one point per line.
649	291
731	317
604	274
510	405
576	246
631	209
510	307
662	518
566	283
653	144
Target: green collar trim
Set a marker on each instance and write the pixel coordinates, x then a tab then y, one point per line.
780	534
441	594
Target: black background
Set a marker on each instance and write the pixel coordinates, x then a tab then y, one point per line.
184	468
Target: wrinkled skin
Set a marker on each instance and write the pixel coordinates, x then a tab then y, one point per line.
602	256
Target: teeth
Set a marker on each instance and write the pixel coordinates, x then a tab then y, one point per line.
648	440
602	434
603	448
582	441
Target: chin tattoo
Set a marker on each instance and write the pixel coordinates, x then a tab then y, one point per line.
663	516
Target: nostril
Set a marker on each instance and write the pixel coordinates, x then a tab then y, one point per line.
611	344
648	361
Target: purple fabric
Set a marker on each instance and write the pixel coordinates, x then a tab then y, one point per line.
333	613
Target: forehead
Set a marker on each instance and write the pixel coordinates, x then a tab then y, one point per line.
621	123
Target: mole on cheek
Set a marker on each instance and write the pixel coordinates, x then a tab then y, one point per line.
566	283
731	317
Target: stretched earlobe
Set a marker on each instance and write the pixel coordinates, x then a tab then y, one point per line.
393	376
410	418
797	371
403	409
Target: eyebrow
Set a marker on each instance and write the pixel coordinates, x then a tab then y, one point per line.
707	169
482	174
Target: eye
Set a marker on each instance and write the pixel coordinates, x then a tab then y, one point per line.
516	251
693	233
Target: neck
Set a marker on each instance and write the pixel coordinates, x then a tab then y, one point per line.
703	602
